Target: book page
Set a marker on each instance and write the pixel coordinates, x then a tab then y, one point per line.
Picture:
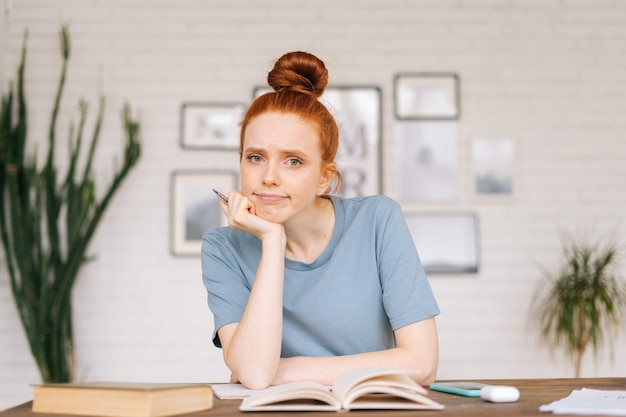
374	376
372	397
294	396
381	388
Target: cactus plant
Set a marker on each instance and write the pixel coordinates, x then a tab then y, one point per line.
48	215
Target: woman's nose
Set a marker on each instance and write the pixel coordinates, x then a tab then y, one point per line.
270	176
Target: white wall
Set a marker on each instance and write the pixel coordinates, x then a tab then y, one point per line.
548	73
3	36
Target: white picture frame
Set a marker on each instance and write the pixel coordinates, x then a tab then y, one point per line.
494	166
194	207
210	125
427	96
426	161
447	242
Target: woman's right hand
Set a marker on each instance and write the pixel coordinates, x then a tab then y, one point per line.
242	216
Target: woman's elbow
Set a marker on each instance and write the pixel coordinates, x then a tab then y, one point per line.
253	378
254	382
430	377
425	375
252	373
424	372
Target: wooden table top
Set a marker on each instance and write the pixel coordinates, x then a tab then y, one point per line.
533	393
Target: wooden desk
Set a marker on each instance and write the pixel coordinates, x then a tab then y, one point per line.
533	393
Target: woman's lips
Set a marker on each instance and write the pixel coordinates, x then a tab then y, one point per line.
270	198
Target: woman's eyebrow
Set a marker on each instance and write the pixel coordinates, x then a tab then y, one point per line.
294	151
249	150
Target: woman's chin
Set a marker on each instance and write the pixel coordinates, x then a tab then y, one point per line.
270	215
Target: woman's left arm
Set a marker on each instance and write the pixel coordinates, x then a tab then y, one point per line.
417	351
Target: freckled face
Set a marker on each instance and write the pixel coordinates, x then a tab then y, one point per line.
281	166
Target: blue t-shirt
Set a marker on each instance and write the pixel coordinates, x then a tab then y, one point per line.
368	282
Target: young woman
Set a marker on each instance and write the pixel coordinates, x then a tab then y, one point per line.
303	284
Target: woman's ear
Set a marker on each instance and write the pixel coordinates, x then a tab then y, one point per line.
329	172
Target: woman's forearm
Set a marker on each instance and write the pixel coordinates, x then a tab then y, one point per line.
416	351
325	369
253	350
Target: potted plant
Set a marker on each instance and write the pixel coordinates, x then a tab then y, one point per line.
48	216
582	304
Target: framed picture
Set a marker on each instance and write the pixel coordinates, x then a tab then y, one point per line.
357	111
426	161
194	207
427	96
447	242
493	165
210	125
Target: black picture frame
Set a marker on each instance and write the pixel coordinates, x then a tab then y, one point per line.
358	112
194	207
212	126
447	242
427	96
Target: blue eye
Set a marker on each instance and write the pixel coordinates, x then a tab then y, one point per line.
255	158
294	162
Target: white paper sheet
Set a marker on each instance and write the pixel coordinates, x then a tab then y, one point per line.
226	391
590	401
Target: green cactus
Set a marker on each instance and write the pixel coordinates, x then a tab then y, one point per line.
46	224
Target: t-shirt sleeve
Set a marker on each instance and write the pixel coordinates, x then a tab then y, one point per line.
227	289
407	295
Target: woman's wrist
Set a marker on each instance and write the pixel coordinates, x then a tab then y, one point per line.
274	238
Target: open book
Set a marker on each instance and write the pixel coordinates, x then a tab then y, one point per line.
361	388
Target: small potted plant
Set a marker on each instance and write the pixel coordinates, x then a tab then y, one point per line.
583	304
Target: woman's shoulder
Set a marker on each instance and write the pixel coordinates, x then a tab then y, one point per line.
370	201
227	236
377	206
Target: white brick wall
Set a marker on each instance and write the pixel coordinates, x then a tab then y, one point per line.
548	73
3	35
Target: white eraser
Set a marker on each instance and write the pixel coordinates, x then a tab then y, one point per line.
499	394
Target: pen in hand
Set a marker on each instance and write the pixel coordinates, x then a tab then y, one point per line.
221	196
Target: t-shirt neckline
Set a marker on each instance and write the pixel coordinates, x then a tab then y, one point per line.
330	248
